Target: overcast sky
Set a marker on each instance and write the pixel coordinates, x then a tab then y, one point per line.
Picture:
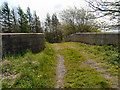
43	7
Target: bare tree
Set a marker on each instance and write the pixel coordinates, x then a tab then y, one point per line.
106	8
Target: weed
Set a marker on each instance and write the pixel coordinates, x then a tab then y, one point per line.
36	70
80	77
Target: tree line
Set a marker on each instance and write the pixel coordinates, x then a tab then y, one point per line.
52	30
72	20
13	21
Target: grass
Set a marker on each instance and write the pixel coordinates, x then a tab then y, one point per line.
78	74
30	70
106	53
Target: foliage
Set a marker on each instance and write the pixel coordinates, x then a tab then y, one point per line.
52	31
38	70
30	70
79	75
14	21
6	17
29	18
77	20
73	20
109	53
15	27
23	23
36	24
105	53
106	8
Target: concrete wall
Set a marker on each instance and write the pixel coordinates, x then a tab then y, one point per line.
95	38
17	42
0	48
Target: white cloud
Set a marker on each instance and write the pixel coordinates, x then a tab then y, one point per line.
58	6
43	7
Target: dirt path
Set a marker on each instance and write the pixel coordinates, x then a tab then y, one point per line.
60	70
97	66
91	62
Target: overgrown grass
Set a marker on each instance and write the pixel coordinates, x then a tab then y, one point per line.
80	75
30	70
107	57
106	53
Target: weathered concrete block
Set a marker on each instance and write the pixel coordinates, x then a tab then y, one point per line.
0	48
95	38
18	42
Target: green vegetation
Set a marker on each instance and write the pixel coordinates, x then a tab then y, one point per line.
52	31
88	66
39	70
30	70
73	20
17	21
81	75
111	9
78	20
105	53
78	76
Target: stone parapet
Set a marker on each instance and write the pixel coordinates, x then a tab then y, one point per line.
18	42
95	38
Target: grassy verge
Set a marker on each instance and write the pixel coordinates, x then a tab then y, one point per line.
104	57
30	70
106	53
78	74
38	70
